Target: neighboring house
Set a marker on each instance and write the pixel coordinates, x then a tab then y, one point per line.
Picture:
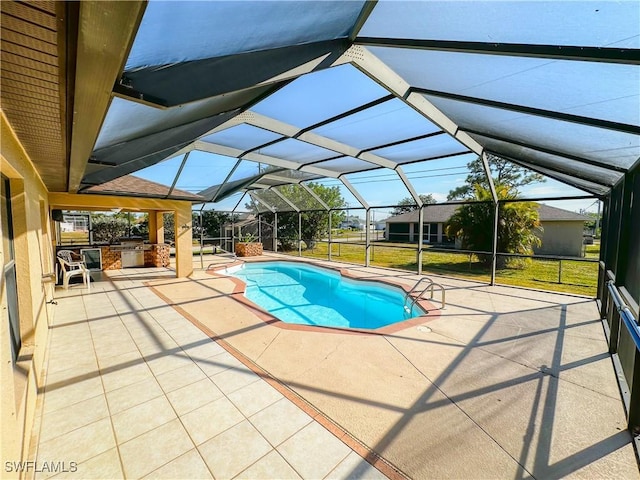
380	225
352	222
563	232
562	229
404	227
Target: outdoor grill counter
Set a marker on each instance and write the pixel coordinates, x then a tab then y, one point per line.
128	252
131	252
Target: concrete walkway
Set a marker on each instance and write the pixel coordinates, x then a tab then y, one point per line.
133	390
504	383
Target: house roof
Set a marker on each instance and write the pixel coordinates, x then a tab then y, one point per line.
548	213
441	213
133	186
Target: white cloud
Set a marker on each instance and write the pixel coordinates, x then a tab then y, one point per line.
440	197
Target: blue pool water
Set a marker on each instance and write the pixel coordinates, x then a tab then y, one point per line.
309	295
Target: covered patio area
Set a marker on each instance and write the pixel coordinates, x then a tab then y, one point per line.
504	383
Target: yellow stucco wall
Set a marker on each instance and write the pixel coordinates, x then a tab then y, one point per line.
33	258
34	242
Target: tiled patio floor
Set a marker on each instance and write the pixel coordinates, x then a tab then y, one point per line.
503	383
133	390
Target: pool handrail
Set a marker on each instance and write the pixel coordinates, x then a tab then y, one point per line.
408	294
430	286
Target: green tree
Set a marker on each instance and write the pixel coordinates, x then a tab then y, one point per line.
408	204
503	172
108	228
315	224
169	227
212	221
518	223
594	223
140	225
135	224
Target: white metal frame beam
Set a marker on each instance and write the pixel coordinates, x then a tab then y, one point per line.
372	66
315	195
295	208
259	200
354	192
409	186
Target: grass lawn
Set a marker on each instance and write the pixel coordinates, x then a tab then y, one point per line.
74	238
575	277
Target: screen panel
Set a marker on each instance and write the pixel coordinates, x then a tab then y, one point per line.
607	91
388	122
213	29
553	162
381	187
431	147
162	172
127	120
607	146
346	165
541	22
438	178
243	137
298	151
317	96
202	170
300	197
347	198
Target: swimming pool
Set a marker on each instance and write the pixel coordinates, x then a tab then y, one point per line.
310	295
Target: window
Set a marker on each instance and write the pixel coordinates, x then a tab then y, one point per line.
433	233
9	267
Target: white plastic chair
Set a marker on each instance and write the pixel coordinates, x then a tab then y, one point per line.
72	268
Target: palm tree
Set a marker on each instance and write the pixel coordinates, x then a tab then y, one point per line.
518	223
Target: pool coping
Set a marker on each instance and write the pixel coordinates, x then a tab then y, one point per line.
238	295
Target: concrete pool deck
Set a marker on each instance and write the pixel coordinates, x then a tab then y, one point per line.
504	383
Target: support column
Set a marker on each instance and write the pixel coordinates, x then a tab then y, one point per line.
233	235
201	238
494	248
367	237
156	226
275	232
420	236
494	196
184	241
330	238
299	234
602	269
